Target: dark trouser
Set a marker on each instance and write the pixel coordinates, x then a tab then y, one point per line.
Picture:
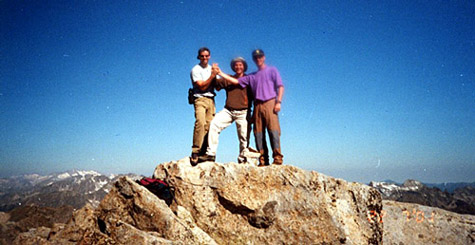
266	119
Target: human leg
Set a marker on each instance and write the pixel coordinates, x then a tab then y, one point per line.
259	134
210	112
273	129
199	129
249	127
221	121
242	131
200	123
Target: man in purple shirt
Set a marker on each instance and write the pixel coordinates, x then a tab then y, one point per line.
267	88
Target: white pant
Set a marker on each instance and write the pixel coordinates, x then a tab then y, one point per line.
222	120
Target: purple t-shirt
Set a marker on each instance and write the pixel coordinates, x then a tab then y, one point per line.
264	83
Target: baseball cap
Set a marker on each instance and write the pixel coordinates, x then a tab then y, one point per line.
257	53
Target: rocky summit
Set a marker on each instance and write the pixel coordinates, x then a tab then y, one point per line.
227	204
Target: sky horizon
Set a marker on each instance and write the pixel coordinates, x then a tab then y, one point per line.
373	90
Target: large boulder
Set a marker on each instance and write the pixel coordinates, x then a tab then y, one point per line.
240	204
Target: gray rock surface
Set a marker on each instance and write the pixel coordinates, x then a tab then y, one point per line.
236	203
408	223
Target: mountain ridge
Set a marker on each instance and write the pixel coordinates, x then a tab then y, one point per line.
73	187
461	200
443	186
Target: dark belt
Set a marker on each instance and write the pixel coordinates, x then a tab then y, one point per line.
232	109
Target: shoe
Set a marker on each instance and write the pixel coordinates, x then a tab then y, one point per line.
194	159
263	161
206	158
278	161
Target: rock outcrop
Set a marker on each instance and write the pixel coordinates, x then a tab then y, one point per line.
408	223
229	204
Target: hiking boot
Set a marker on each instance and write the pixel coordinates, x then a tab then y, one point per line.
206	158
194	159
263	161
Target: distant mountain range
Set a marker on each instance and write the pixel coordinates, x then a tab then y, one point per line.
456	197
446	186
72	188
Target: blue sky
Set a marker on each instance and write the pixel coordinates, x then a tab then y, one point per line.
374	90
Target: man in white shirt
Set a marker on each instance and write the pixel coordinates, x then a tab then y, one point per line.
202	78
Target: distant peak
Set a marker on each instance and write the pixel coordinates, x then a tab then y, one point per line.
412	183
84	173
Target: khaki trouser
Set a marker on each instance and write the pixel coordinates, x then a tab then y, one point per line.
204	113
222	120
266	119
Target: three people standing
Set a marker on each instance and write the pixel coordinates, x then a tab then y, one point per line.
267	90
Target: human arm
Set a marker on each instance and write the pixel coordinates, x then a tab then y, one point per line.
220	81
204	84
228	78
280	89
278	101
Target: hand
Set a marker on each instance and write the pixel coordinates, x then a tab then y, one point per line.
277	107
215	68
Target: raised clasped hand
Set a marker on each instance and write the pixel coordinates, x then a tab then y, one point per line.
215	68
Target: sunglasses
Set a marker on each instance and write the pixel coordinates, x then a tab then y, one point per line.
204	56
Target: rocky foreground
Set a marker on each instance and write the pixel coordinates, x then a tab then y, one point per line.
243	204
227	204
